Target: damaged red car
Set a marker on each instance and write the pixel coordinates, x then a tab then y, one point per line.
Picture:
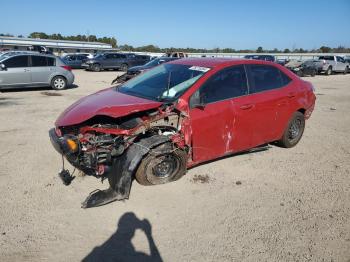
177	115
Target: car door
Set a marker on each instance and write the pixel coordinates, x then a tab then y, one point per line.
108	61
217	126
340	64
120	59
269	100
16	72
40	70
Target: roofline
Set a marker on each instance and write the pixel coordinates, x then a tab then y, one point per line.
5	40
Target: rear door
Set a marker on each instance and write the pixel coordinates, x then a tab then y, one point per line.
16	73
40	70
270	97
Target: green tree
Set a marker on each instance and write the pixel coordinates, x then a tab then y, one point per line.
260	50
325	49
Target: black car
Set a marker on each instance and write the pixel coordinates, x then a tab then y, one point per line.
120	61
303	68
74	60
270	58
134	71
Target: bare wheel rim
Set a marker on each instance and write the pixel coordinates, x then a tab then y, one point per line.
59	83
166	166
294	129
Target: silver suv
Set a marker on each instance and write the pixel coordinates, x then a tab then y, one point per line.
34	70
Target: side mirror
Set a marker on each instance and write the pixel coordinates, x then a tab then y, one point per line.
2	67
196	101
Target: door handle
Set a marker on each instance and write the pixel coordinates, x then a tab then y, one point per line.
26	70
247	106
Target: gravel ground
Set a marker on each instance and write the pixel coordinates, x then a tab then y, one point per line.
276	205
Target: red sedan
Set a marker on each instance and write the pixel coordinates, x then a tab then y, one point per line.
177	115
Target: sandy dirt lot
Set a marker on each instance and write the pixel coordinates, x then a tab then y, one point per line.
276	205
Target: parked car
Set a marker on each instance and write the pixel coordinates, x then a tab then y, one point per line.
303	68
334	64
177	115
176	54
282	61
270	58
120	61
74	60
34	70
135	70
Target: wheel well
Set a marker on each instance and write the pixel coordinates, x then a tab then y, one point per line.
302	110
57	76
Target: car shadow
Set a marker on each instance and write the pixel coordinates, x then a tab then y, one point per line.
30	89
119	247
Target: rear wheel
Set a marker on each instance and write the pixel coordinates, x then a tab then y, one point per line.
58	83
346	70
162	165
294	131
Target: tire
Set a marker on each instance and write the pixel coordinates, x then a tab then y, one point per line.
300	73
59	83
160	168
313	73
329	71
293	132
96	67
346	70
124	67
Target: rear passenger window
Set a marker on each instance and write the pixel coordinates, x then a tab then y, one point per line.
266	77
39	61
227	83
51	61
17	61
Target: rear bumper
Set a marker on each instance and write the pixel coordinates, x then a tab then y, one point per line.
70	78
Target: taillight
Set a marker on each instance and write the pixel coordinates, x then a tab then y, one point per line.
67	67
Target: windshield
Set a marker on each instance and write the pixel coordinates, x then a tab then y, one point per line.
163	83
154	62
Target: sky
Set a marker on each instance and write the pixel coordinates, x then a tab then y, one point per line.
244	24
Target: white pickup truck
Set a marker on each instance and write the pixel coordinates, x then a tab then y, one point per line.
332	64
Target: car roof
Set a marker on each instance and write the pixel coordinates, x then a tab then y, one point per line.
216	61
6	56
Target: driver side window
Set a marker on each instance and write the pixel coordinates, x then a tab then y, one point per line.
226	84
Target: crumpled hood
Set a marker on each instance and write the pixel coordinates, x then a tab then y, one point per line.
108	102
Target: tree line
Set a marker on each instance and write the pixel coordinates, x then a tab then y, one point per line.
153	48
84	38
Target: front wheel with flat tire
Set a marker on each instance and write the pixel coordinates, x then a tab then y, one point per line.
294	131
58	83
162	165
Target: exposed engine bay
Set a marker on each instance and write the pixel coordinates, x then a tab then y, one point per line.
112	148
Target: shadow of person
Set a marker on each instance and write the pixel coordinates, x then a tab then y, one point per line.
119	247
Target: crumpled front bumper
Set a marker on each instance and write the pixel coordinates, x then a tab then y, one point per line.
58	142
